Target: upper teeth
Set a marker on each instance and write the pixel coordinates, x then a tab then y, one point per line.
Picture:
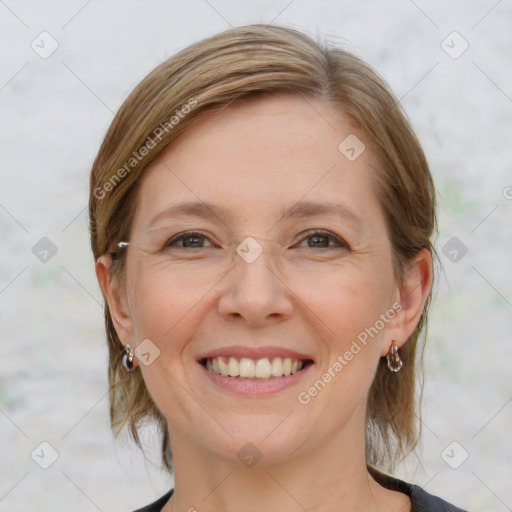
246	368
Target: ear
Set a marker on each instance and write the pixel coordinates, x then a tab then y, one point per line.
116	300
412	295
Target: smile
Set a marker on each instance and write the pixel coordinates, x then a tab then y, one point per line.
244	368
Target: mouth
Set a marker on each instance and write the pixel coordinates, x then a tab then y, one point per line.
255	369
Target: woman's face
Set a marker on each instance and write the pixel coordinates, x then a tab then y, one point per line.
289	266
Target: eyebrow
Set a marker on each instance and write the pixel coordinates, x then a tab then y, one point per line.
300	210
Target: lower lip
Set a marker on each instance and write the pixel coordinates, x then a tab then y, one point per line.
255	387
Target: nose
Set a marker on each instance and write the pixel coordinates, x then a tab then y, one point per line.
255	293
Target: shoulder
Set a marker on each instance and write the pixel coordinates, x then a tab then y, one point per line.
421	500
158	505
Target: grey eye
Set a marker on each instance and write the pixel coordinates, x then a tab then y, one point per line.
321	240
189	239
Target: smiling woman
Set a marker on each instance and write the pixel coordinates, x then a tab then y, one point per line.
267	268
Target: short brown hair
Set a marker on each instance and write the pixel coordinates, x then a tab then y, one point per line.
236	65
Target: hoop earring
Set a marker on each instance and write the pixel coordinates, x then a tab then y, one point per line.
128	358
394	362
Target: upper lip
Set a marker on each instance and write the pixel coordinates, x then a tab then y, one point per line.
254	353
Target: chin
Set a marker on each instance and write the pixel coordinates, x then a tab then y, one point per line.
264	446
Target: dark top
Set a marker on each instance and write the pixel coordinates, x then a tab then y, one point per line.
421	500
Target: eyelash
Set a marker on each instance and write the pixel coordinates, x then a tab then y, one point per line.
309	234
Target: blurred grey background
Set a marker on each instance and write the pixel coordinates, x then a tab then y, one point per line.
67	67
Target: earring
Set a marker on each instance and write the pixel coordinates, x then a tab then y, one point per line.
128	358
394	362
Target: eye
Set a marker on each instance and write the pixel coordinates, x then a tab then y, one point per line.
323	240
190	239
314	240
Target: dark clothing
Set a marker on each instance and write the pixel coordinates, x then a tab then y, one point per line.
421	500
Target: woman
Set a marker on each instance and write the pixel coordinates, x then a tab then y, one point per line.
261	220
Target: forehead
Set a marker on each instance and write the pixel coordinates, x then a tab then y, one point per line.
258	157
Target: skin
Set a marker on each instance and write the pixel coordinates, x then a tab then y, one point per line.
257	159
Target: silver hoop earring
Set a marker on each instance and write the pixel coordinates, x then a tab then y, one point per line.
128	358
394	362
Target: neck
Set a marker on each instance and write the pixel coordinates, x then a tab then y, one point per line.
328	477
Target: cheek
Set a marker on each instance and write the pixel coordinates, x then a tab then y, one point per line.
162	307
347	301
345	311
166	311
